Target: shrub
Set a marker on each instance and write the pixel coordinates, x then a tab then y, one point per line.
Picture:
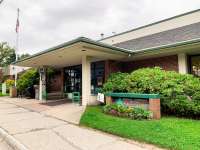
10	82
27	80
180	94
126	111
181	107
116	83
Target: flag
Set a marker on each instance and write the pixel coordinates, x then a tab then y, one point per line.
17	23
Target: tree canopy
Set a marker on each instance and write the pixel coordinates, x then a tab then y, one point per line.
7	54
22	56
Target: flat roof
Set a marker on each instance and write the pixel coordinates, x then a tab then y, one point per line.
77	40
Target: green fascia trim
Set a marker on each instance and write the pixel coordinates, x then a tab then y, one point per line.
134	95
132	52
154	23
77	40
183	43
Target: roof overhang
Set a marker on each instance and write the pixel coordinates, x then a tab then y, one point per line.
70	53
190	47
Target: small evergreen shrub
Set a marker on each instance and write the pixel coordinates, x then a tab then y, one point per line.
135	113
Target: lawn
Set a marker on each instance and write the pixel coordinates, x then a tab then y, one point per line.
3	94
169	132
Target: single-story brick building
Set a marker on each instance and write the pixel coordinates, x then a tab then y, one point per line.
84	64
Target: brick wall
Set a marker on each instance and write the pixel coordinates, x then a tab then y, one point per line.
56	82
112	66
169	63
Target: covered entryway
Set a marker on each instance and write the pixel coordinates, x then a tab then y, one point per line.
72	80
75	59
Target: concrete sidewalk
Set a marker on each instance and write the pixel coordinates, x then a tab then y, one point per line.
63	110
37	131
4	145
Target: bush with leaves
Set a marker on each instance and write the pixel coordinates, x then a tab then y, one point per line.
178	91
135	113
27	80
10	83
116	83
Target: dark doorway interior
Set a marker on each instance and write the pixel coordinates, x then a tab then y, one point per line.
72	79
194	65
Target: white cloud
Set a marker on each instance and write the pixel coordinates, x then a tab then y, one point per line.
45	23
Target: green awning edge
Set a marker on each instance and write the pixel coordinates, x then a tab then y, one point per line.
77	40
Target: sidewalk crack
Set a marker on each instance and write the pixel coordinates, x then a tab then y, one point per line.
69	142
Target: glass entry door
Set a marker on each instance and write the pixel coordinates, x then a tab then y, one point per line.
72	79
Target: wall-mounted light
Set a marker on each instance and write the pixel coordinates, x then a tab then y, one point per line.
83	50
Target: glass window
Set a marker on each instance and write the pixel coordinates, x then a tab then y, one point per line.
97	76
72	79
195	65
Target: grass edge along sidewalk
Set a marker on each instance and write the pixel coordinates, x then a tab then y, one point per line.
169	132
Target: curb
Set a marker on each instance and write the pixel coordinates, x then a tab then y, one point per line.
10	140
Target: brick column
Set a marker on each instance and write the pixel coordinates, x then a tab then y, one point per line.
107	69
108	100
154	106
62	80
13	92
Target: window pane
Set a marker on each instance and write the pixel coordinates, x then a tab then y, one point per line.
195	65
97	76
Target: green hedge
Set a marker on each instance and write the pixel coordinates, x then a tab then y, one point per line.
180	94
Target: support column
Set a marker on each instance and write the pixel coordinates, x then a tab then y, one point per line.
182	63
86	80
62	80
154	107
42	84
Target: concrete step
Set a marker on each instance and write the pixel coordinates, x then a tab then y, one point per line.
55	96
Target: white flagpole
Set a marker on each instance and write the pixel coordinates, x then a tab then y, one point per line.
17	44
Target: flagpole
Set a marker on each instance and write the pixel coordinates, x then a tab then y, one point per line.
17	44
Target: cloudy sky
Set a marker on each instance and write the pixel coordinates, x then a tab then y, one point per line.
46	23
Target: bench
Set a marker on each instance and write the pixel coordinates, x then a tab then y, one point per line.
153	100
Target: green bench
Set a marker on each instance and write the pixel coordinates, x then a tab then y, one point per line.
76	97
133	95
121	96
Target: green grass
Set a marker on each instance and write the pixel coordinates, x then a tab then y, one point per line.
3	94
169	132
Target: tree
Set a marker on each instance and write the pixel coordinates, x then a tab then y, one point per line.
22	56
7	54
